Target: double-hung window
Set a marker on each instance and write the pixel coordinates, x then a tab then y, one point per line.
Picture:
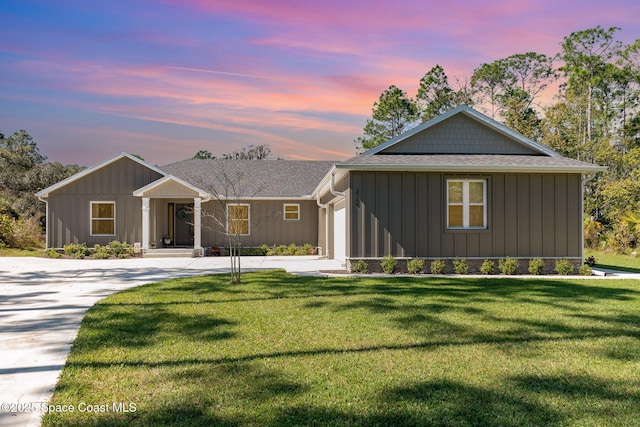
466	203
238	219
103	219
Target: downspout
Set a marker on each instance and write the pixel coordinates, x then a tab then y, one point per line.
46	222
331	187
326	224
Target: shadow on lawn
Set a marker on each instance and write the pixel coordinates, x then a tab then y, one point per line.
421	308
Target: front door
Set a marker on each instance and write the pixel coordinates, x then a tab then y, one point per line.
183	224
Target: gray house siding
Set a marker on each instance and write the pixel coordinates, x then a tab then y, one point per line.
69	206
404	214
459	135
267	225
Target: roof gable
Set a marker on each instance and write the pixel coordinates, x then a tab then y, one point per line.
45	192
170	187
461	131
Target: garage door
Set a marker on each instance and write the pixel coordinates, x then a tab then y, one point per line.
339	232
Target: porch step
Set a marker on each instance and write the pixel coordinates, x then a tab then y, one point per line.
169	253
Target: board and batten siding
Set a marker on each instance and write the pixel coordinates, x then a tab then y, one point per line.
404	214
69	206
266	224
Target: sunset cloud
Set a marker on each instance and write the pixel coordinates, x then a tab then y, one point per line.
165	79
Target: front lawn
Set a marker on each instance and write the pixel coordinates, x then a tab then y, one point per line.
286	350
628	263
28	252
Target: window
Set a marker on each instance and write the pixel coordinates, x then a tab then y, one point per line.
103	218
237	219
291	212
466	203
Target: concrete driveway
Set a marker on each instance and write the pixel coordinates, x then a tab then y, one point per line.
42	302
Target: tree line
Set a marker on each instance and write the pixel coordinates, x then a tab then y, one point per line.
594	116
23	172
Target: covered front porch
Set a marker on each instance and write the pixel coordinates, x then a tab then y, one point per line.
171	217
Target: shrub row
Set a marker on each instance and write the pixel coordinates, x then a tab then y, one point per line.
113	249
265	250
506	266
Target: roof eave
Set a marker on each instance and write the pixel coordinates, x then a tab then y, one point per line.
472	168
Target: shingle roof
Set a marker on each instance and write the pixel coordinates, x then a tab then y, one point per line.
259	178
468	162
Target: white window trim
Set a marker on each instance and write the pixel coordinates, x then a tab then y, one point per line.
91	218
284	211
248	217
466	204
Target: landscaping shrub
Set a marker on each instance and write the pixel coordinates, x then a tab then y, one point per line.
120	249
564	267
19	233
460	266
508	265
76	250
488	267
437	266
415	266
388	264
101	252
535	266
52	253
360	267
585	270
245	252
590	261
291	249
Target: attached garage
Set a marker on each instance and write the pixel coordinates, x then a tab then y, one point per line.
339	231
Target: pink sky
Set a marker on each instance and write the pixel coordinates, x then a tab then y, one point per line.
165	79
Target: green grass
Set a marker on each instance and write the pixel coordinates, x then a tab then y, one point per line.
29	252
615	262
285	350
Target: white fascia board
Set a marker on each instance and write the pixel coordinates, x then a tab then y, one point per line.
268	198
201	193
474	169
325	184
45	192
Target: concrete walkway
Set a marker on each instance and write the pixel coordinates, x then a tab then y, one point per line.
42	302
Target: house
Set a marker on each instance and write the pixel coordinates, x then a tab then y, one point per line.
459	186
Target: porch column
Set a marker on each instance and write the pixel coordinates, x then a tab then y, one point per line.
197	225
145	224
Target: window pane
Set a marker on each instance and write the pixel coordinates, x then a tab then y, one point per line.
476	216
102	226
238	219
291	211
455	192
455	216
102	210
476	192
238	212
